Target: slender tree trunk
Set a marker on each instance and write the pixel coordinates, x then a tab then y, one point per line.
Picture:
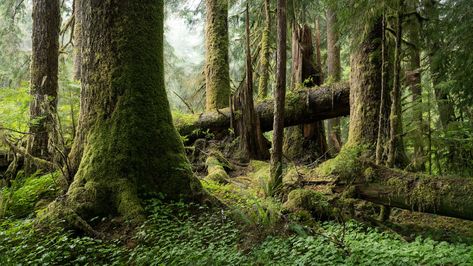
44	78
77	39
395	136
279	98
253	145
217	75
413	81
334	75
133	150
265	53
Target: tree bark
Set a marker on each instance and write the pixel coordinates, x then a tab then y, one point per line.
447	196
265	53
217	75
77	39
306	73
132	151
279	99
301	107
334	75
413	81
253	145
44	78
365	89
396	153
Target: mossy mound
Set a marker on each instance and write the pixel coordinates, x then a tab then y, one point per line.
216	170
28	195
314	202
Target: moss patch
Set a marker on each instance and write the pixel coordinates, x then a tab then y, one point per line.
314	202
23	198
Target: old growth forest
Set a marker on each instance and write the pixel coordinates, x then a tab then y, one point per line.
236	132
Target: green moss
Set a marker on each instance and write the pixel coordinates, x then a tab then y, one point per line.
133	151
23	198
343	166
183	120
217	74
216	171
314	202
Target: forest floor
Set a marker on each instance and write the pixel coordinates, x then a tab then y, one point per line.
252	230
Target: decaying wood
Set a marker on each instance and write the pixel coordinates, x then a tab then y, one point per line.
302	107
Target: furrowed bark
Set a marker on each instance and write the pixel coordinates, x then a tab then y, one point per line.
44	78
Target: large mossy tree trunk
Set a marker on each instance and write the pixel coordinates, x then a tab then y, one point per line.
365	89
334	140
305	143
44	79
217	73
354	168
132	150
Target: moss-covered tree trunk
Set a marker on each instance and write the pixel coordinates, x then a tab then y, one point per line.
334	143
133	150
217	75
86	114
365	89
265	53
44	78
276	168
302	107
305	143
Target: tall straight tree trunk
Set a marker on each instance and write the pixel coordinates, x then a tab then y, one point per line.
265	53
279	98
334	75
217	75
413	81
395	134
44	77
252	142
77	39
365	90
132	151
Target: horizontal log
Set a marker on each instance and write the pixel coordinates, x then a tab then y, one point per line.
302	107
446	196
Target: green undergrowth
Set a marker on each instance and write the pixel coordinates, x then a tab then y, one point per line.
189	234
27	195
253	230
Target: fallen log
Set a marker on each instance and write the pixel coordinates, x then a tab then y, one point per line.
446	196
302	107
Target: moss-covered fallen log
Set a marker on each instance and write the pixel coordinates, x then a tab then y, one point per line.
446	196
303	106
